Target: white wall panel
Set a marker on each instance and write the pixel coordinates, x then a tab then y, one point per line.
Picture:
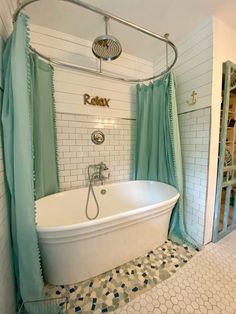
71	85
193	70
7	297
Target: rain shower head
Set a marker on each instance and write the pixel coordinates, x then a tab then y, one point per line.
106	47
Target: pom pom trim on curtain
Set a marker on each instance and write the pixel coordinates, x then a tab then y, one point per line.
158	150
27	96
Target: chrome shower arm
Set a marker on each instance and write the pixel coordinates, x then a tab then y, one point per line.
106	24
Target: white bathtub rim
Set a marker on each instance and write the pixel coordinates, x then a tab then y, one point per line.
75	234
61	237
88	223
107	184
108	219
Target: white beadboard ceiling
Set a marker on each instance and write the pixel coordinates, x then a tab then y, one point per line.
177	17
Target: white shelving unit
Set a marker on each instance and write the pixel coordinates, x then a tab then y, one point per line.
231	129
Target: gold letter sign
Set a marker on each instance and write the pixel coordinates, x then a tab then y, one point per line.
96	101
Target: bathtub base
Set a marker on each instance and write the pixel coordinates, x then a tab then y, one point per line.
75	259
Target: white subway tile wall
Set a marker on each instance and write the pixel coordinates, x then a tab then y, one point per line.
195	137
76	150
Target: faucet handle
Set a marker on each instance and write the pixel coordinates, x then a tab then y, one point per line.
103	166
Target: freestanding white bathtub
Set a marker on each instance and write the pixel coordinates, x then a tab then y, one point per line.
133	219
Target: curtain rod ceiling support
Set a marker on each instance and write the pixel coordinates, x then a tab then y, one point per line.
107	16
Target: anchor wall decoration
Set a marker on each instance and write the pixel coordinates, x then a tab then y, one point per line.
193	98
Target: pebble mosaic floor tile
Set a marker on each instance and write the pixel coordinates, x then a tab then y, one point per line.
206	285
115	288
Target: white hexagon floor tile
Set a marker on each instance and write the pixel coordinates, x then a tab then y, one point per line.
207	284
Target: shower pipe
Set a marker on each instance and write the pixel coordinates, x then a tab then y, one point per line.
115	18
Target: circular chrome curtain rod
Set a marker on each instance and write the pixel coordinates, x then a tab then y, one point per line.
117	19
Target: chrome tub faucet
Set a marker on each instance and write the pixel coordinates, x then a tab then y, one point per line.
96	172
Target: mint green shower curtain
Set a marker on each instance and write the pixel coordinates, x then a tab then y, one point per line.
1	69
158	151
20	110
18	150
44	136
